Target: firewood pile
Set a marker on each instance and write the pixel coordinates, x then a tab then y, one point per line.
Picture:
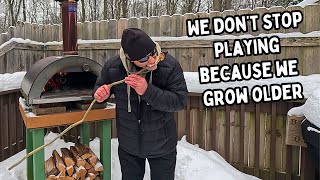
77	163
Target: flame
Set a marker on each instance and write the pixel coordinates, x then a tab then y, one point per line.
55	83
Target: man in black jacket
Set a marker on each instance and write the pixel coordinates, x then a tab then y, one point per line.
145	103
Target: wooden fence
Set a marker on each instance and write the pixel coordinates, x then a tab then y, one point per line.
251	137
191	52
165	25
12	129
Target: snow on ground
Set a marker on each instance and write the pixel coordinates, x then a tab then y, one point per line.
306	2
193	163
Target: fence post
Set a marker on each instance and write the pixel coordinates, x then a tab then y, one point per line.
311	18
133	22
143	24
154	26
165	25
122	25
176	24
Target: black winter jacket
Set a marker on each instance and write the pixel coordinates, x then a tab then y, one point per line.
149	130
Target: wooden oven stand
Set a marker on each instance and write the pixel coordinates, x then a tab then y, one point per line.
35	137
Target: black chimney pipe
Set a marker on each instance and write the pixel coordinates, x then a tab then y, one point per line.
69	26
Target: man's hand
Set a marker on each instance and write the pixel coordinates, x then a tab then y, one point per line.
102	93
138	83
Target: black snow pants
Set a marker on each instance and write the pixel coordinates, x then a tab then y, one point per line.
133	167
311	135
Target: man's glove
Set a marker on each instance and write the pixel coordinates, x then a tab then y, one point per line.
138	83
102	93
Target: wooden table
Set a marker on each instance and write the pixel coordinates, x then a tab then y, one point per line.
35	136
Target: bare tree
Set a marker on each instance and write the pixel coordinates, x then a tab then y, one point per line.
3	16
91	11
95	17
83	11
105	9
227	5
112	11
45	12
198	6
171	6
10	5
187	6
124	5
217	5
147	8
14	7
118	9
156	8
24	10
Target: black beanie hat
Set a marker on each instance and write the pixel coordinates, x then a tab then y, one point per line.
136	43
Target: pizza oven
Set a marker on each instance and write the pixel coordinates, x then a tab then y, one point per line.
66	78
60	79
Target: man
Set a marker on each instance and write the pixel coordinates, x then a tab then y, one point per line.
145	103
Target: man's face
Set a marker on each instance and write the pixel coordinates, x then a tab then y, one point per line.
150	64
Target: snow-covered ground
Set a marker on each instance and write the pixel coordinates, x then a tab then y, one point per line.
193	163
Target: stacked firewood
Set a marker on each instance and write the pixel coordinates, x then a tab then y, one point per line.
77	163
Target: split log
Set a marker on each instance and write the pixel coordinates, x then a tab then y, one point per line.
78	159
66	167
70	170
51	167
51	177
93	159
91	176
59	161
83	151
80	171
92	171
67	157
66	178
88	166
97	178
98	167
62	174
